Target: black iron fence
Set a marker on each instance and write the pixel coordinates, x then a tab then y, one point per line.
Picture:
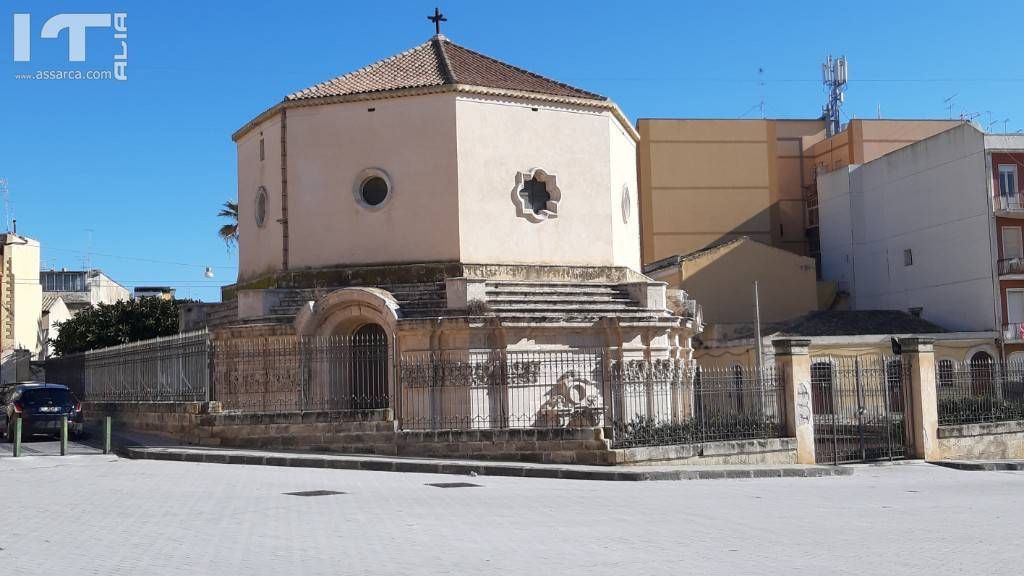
860	406
659	402
640	401
502	389
976	392
302	373
171	369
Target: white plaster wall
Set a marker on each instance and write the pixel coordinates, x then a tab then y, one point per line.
23	254
623	168
499	138
49	329
929	197
104	290
259	248
835	228
412	139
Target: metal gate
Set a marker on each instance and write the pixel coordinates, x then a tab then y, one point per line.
861	408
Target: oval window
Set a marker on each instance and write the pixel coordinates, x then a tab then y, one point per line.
627	204
261	206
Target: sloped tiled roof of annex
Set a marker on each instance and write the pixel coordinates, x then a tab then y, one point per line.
439	62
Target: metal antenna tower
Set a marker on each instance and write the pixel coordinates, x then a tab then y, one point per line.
7	204
87	257
760	82
834	76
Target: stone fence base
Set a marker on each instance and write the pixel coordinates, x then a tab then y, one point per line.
375	432
989	441
770	451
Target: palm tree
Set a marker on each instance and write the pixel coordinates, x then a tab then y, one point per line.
229	232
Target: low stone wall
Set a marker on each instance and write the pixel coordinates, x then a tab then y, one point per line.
769	451
989	441
552	446
179	420
374	432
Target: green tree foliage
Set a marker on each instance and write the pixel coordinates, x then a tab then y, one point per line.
119	323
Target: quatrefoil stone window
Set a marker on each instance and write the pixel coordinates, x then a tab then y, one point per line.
536	195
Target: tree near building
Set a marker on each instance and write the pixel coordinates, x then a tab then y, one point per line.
229	232
119	323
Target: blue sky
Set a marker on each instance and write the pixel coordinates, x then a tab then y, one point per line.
132	173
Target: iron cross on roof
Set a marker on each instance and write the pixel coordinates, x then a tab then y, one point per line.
437	18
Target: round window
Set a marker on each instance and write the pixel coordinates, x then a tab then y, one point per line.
627	204
261	206
374	190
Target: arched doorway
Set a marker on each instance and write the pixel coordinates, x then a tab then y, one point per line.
368	367
981	373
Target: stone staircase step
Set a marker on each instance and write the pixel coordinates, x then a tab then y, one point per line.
558	298
565	307
419	304
554	288
426	313
562	313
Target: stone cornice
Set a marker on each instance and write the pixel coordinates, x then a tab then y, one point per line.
425	90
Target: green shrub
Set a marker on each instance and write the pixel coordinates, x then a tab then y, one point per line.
974	409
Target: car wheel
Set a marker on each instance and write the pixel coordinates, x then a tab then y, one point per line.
10	433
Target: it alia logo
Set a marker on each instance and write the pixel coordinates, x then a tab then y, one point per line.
77	26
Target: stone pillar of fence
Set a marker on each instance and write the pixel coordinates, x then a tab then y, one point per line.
793	364
924	415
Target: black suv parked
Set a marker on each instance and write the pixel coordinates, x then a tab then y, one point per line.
41	407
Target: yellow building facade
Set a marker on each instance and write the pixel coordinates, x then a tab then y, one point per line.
704	182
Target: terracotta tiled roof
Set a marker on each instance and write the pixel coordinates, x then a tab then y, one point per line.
858	323
439	62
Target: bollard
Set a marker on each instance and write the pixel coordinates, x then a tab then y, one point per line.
17	436
106	435
63	435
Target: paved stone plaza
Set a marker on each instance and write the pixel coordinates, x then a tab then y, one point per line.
95	514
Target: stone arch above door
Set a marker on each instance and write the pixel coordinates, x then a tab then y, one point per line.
344	311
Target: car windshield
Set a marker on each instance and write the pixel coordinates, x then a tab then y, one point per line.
37	396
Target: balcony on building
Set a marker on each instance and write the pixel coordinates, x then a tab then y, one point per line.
1010	206
1008	201
1013	332
1011	266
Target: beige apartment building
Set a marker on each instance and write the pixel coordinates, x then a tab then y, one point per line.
704	182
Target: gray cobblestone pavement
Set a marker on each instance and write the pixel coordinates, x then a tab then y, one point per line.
95	514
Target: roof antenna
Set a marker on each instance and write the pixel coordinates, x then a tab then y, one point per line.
834	77
760	81
7	203
950	103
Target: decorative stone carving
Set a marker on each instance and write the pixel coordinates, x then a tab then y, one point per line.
524	195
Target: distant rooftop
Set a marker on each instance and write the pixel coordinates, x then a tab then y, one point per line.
440	62
858	323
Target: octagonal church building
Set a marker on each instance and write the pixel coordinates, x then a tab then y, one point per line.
448	202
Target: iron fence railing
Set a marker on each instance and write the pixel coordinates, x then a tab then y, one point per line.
170	369
976	392
1009	204
301	373
502	389
660	402
1013	332
1011	265
860	406
640	401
